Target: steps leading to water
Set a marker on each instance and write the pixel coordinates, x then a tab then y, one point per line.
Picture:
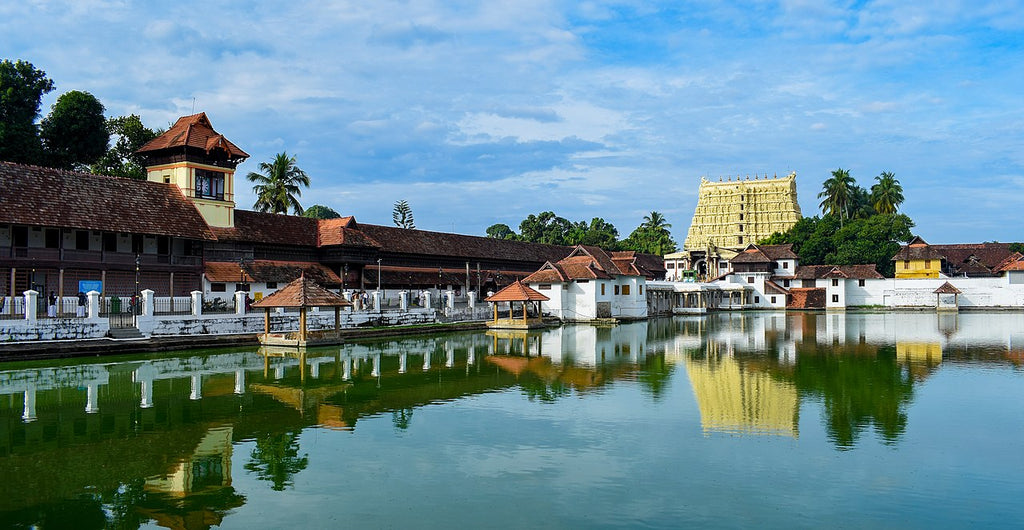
125	333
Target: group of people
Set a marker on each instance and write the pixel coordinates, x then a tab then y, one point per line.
51	305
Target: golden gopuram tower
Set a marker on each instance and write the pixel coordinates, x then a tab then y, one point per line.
734	213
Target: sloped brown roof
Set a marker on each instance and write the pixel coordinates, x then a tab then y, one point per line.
517	292
772	286
649	265
857	272
268	271
764	253
947	288
195	132
258	227
398	276
342	231
777	252
303	292
1013	262
33	195
411	241
751	254
917	249
990	255
586	263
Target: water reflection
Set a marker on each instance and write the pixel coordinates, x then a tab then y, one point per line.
126	441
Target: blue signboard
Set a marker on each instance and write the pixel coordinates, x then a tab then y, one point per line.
85	286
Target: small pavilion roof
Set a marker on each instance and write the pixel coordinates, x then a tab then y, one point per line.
947	288
517	292
303	292
195	132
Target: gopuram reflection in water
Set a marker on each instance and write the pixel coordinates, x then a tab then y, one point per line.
128	441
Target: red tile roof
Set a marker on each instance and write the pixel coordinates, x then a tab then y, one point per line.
516	292
258	227
764	253
196	132
303	292
268	271
33	195
587	263
342	231
411	241
947	288
858	272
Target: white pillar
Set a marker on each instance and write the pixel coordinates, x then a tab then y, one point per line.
471	299
376	366
403	362
197	303
147	393
346	369
378	297
197	387
93	307
29	414
30	304
426	361
92	398
148	303
472	353
239	382
314	370
451	299
278	372
403	300
426	299
449	355
240	302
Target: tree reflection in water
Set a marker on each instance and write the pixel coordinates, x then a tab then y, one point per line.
276	458
401	418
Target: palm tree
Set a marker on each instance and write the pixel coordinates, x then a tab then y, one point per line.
656	221
887	193
837	193
278	185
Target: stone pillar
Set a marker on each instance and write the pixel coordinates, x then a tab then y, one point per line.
197	303
426	299
93	305
148	303
31	297
377	299
471	299
240	297
403	300
197	388
239	382
450	302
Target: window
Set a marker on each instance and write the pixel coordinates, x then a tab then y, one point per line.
163	245
602	289
835	298
641	290
137	243
773	299
167	179
670	266
741	228
785	264
241	287
616	289
582	281
52	238
109	242
625	290
20	235
82	240
209	184
544	287
741	207
927	263
218	287
741	217
860	283
750	279
757	299
835	282
906	264
271	285
740	239
785	283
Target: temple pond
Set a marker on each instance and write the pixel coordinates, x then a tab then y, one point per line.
882	420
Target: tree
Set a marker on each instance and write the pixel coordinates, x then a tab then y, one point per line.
402	215
318	211
276	459
652	236
501	231
545	227
74	134
121	159
599	233
278	185
886	193
22	87
836	194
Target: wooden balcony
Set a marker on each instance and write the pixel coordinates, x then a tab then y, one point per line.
32	256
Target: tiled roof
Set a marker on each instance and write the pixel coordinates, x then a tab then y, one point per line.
33	195
764	253
649	265
988	254
396	277
777	252
947	288
411	241
303	292
1013	262
268	271
751	254
857	272
771	286
342	231
516	292
196	132
917	249
261	227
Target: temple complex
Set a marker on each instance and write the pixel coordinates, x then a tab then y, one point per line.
734	213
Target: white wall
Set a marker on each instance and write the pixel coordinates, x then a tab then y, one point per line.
976	292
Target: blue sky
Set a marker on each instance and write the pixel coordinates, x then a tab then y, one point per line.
483	113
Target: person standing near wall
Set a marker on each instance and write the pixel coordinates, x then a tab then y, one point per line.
51	305
80	311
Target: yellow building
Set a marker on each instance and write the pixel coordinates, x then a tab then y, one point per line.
918	259
735	213
733	399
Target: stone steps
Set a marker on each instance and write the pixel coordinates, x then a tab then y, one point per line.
125	333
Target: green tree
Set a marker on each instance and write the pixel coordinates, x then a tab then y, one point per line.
500	231
276	459
837	194
319	211
121	160
74	134
278	186
545	227
598	232
22	87
402	215
652	236
886	193
1017	247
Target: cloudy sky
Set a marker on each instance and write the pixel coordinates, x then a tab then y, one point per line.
485	112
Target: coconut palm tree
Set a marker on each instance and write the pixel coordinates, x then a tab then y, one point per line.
887	193
656	221
837	193
278	185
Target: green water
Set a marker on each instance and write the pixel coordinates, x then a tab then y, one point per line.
862	420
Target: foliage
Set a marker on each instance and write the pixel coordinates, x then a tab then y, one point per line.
74	134
837	194
1017	247
319	211
402	215
652	236
278	185
598	233
276	459
545	227
886	193
821	241
501	231
22	87
121	160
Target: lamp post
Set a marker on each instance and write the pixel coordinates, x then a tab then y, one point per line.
344	270
378	274
137	296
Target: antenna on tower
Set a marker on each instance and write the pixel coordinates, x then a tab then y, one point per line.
193	104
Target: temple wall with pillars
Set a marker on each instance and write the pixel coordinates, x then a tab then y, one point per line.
748	209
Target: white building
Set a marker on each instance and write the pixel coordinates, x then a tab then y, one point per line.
591	284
